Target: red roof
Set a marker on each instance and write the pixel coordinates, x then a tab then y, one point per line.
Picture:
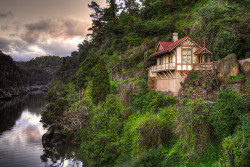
201	49
168	46
164	44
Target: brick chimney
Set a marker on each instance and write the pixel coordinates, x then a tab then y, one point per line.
175	36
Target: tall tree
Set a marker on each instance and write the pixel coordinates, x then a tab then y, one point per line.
97	23
100	85
131	6
111	11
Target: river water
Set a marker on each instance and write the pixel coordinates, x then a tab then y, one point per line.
21	136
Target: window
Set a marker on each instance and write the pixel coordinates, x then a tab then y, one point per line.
186	56
160	60
200	59
170	60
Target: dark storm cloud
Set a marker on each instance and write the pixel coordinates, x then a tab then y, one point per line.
16	45
54	29
5	14
4	44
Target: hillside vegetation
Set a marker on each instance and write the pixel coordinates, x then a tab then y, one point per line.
17	77
99	97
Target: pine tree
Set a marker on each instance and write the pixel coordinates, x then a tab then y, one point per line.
101	85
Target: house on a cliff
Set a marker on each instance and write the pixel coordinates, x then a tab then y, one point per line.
174	60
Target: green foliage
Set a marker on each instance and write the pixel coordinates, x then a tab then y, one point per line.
71	93
224	24
133	39
193	128
231	151
54	111
151	101
142	85
142	132
149	158
193	76
227	112
99	140
129	52
235	78
100	84
56	90
85	73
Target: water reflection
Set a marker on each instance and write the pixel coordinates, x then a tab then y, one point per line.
21	132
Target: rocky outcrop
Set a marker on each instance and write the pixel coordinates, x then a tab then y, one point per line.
200	84
206	85
52	137
228	66
245	65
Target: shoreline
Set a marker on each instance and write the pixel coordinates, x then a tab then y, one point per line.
10	93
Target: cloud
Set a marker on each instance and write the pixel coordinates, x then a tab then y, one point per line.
4	44
57	37
54	29
5	14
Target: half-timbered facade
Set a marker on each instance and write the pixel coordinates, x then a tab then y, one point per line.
174	60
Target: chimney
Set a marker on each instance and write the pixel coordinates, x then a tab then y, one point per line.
175	36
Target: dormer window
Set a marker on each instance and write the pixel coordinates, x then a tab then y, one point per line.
186	56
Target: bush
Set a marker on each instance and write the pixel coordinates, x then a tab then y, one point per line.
193	128
133	39
228	109
151	101
142	132
149	158
100	84
99	140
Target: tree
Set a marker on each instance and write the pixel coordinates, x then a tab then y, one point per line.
131	6
97	23
101	85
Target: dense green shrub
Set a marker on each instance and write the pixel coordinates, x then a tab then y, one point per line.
56	90
54	111
100	83
151	101
228	110
149	158
133	39
72	95
231	152
142	132
235	78
193	128
99	140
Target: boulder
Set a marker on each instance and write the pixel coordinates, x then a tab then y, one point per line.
245	68
228	66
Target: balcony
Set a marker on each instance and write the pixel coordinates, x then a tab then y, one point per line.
205	66
163	67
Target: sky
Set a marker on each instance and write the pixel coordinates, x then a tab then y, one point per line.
32	28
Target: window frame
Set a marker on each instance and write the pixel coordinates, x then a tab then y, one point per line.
183	61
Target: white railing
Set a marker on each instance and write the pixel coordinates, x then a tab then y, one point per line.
163	67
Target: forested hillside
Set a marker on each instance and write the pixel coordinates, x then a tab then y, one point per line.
19	77
100	97
49	64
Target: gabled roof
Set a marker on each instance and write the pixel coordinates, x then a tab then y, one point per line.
169	46
202	50
164	44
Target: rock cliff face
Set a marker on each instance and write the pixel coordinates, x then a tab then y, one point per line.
207	84
200	84
228	66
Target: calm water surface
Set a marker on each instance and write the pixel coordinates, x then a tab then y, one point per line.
21	136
